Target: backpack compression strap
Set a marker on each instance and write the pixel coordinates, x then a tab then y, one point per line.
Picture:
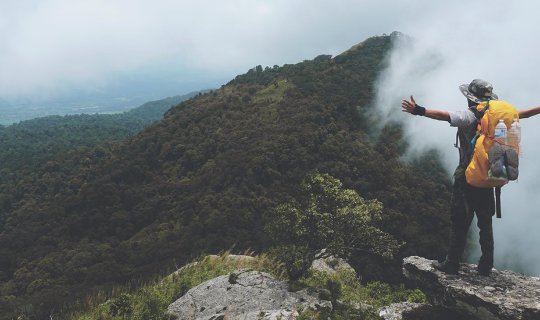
498	201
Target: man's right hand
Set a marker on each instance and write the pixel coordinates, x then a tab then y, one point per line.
408	105
411	107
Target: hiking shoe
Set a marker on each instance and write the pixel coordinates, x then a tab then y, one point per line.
446	266
497	169
513	173
512	159
496	159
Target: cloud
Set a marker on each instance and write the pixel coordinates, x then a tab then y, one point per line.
50	46
450	46
58	42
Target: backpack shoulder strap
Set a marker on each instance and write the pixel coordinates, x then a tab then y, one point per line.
465	152
479	114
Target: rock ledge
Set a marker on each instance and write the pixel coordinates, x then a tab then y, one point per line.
504	295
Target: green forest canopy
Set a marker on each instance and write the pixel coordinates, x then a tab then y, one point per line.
208	177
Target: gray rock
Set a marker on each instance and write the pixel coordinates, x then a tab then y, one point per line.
419	311
502	295
395	310
331	264
244	294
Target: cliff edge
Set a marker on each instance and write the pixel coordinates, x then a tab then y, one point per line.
504	295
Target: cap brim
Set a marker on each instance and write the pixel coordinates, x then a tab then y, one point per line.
464	88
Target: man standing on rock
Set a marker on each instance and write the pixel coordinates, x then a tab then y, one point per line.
466	199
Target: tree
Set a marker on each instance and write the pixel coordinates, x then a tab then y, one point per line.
325	220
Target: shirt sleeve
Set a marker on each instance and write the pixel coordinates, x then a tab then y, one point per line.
462	118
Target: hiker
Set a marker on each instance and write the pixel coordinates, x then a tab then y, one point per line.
467	199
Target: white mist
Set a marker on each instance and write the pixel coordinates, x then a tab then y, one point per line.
495	41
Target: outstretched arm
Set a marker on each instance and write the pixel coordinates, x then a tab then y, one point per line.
411	107
529	112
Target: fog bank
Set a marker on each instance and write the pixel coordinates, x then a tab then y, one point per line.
450	46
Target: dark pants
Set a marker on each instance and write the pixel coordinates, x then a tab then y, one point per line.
466	201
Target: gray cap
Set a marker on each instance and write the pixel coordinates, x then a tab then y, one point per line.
478	90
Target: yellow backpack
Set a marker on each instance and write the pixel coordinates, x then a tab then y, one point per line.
477	173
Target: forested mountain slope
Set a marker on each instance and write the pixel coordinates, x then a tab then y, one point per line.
28	145
208	177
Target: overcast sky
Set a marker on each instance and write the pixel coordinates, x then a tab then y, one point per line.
49	47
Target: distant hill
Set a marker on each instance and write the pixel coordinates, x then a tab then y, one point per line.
207	178
30	143
154	110
116	97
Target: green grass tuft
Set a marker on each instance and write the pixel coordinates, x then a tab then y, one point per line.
351	299
273	93
150	302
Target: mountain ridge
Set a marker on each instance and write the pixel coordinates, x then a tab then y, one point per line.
207	178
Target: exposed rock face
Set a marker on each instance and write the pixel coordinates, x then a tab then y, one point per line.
243	294
395	311
503	295
419	311
331	265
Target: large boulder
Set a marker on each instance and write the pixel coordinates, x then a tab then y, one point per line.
244	294
504	295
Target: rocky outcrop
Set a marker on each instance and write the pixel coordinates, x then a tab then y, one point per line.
419	311
504	295
331	264
396	311
244	294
